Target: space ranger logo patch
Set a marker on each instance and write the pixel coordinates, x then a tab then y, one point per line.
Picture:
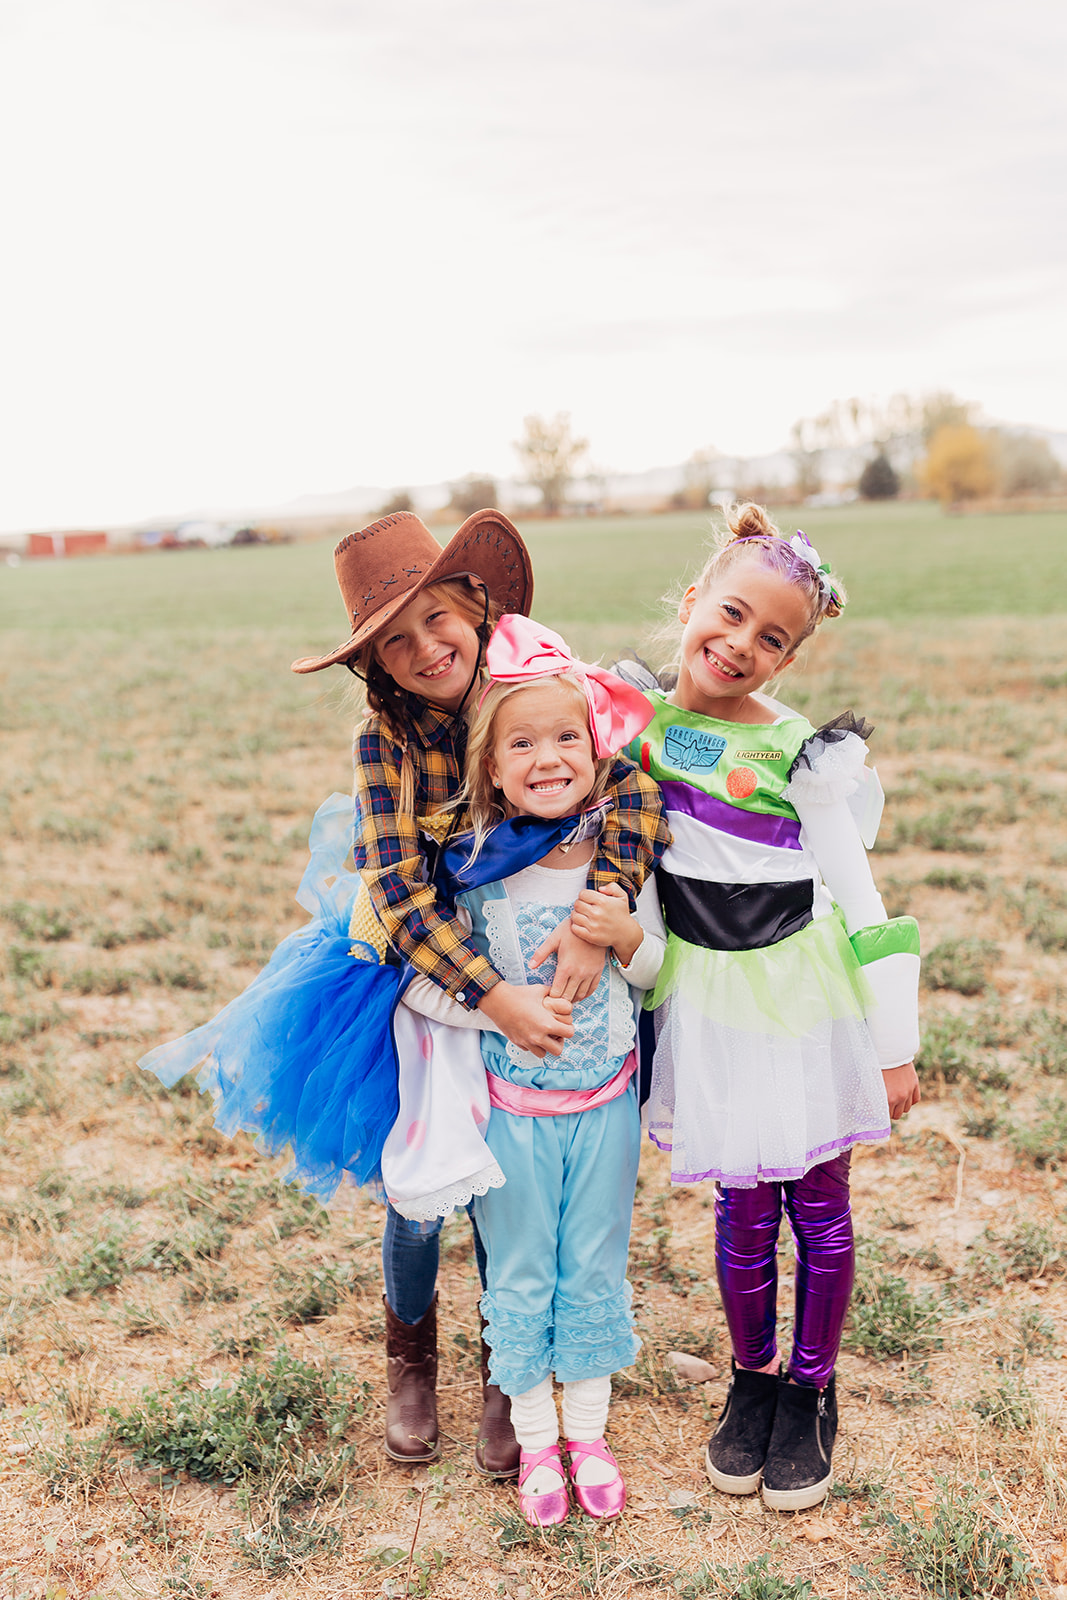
686	748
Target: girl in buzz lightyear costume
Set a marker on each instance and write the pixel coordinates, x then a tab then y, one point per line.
786	1007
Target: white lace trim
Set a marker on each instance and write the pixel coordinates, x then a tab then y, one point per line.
500	935
621	1026
835	774
451	1196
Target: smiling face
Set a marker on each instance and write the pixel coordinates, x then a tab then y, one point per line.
740	630
431	650
542	750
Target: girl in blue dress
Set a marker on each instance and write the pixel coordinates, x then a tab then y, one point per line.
564	1129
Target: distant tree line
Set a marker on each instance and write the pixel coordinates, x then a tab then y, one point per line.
933	444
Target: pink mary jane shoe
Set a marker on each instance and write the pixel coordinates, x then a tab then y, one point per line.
596	1499
543	1510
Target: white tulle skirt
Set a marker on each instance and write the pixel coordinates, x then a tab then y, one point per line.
748	1104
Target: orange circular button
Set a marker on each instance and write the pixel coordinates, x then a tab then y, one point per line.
741	782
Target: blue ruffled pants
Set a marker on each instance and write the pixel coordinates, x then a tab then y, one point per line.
556	1238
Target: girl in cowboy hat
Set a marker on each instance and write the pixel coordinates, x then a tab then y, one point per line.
287	1060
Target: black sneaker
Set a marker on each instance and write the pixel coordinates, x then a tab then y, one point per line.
798	1472
738	1447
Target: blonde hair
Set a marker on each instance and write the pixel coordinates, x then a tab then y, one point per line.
484	802
749	534
395	707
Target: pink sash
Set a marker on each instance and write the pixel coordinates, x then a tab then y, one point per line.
526	1102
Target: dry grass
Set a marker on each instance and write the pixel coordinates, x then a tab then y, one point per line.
154	816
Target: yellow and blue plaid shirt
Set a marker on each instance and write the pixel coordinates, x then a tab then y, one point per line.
389	855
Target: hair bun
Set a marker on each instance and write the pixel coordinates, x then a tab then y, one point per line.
750	521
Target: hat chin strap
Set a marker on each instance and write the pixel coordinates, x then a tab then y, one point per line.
483	631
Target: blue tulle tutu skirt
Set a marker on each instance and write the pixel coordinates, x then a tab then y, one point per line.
303	1059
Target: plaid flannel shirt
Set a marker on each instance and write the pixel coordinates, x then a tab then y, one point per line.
389	855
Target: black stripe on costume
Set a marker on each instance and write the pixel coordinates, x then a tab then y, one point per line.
734	916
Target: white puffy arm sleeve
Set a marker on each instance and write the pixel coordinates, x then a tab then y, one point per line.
647	959
423	995
887	949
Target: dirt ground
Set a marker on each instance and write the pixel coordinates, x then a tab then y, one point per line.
153	833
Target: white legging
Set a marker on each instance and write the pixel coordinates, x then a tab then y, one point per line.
585	1412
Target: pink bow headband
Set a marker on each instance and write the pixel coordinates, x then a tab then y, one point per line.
521	650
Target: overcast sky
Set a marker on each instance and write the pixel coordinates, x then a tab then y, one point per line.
259	248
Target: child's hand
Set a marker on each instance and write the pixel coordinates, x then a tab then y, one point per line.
902	1089
578	964
602	916
529	1017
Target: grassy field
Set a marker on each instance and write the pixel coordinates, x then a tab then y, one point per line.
190	1355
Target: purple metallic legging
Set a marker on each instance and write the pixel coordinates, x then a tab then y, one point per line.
746	1247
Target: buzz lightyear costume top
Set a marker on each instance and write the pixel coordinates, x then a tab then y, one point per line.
786	989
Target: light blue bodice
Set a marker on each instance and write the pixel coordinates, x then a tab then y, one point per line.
509	934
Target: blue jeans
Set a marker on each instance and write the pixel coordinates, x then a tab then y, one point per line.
410	1253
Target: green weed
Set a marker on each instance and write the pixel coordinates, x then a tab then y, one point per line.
1047	1049
238	828
961	1553
30	965
74	1469
153	844
121	1194
204	1283
587	1550
40	924
946	780
178	972
142	930
416	1571
285	1543
178	1252
305	1293
1037	1333
995	1027
73	830
1044	1140
294	1211
29	1025
279	1423
985	1121
949	1053
102	1265
948	828
1031	1250
956	879
1009	1407
144	1321
100	980
1043	912
753	1581
897	895
887	1318
225	1196
182	1583
961	964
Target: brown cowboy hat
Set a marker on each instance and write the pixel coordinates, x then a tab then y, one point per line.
382	568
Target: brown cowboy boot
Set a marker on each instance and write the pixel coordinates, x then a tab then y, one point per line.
496	1454
411	1367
